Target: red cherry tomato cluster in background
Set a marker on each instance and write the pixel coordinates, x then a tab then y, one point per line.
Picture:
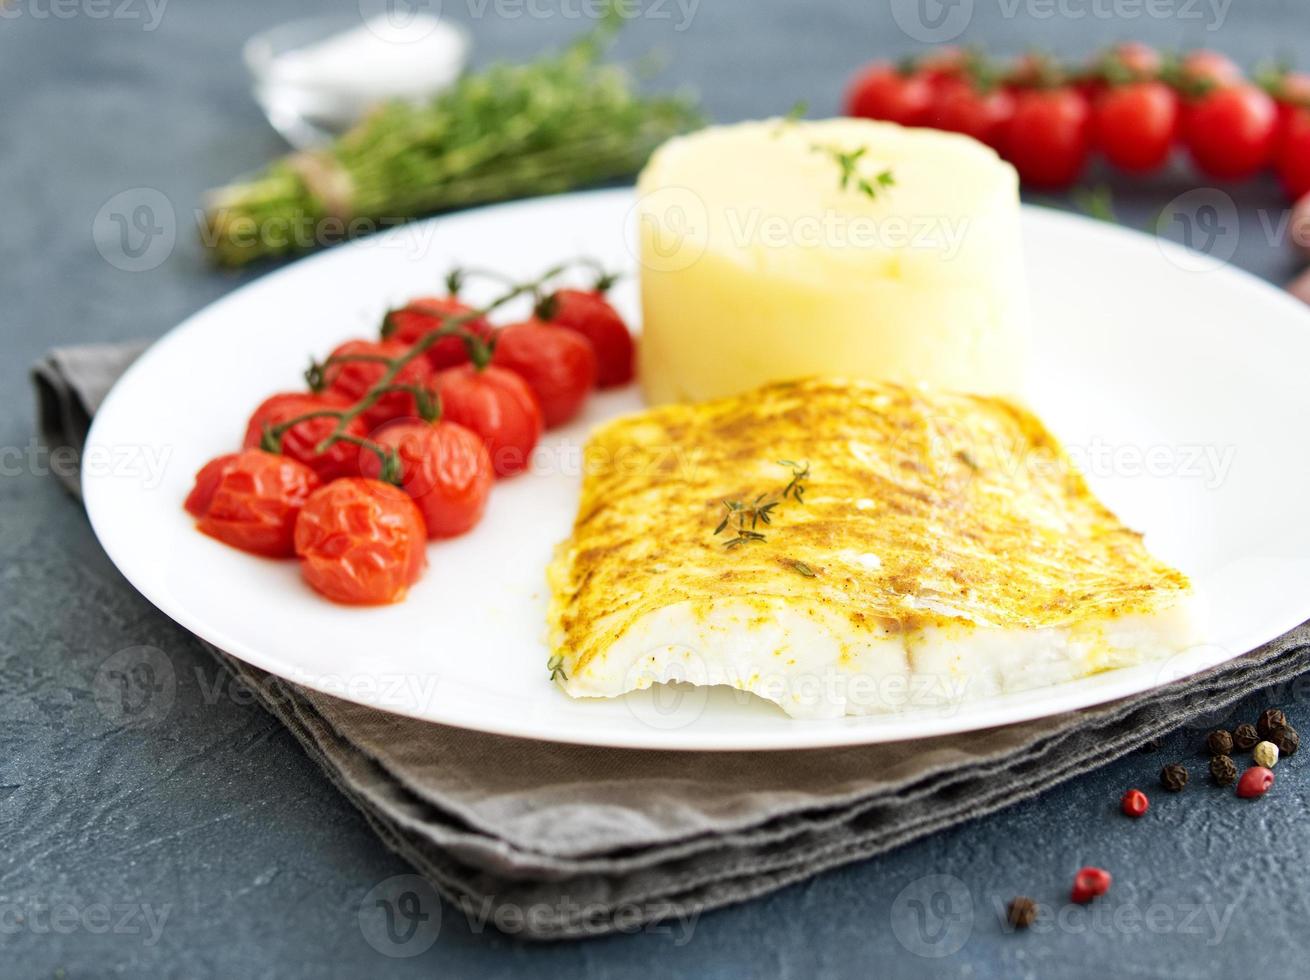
1131	104
400	439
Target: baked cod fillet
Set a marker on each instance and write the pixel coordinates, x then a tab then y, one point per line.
846	548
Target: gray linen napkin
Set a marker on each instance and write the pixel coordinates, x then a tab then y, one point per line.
570	841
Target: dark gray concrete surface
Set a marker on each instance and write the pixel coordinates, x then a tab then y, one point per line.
203	843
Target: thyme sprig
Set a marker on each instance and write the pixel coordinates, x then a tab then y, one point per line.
556	667
452	325
848	162
799	472
745	517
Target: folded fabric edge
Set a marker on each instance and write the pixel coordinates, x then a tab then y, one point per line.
749	876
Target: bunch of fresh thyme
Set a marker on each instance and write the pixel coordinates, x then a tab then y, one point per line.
562	121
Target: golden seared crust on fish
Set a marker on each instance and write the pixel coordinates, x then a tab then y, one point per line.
874	511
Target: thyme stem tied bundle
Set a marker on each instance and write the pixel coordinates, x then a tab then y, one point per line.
563	121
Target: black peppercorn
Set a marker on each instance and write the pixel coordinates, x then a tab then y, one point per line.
1245	737
1219	742
1269	719
1285	737
1022	912
1223	770
1173	777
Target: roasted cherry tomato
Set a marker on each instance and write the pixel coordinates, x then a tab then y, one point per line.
589	313
880	91
445	468
558	365
362	366
254	502
960	107
1136	125
1230	131
1049	138
207	477
1293	160
419	317
497	406
300	440
361	542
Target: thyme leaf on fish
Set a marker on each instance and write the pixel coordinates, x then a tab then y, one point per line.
743	536
795	489
745	518
556	666
801	567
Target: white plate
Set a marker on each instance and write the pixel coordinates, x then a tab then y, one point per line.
1180	385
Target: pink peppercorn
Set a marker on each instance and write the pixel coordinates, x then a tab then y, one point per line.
1255	782
1088	883
1135	803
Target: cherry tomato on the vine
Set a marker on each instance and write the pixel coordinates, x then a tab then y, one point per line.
1049	138
1133	60
1202	66
1230	131
589	313
1036	69
1292	93
420	316
300	441
445	468
960	107
942	64
558	365
357	365
1136	125
1293	161
361	542
250	500
498	406
881	91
